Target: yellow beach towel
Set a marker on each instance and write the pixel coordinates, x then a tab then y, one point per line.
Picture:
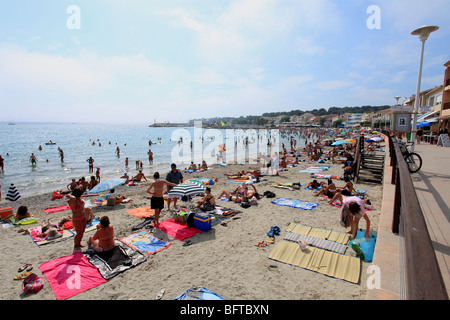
328	263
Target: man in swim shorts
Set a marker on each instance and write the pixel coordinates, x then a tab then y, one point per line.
157	200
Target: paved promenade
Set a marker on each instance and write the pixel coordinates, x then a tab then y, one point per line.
432	184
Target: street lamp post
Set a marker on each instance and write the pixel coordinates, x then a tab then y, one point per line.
423	33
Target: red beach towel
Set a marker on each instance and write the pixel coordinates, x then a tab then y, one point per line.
178	230
56	209
71	275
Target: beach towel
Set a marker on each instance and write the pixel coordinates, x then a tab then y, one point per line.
177	230
298	204
317	189
240	182
71	275
329	263
115	261
200	293
23	221
316	242
13	194
339	237
56	209
145	242
143	212
40	241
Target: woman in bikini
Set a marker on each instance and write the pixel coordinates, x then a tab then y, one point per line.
80	216
329	190
103	239
208	202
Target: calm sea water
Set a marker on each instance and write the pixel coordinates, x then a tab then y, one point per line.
18	141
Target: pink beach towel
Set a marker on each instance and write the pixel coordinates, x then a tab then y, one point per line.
34	231
56	209
178	230
71	275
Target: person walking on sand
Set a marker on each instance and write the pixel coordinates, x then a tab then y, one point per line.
91	164
157	200
80	216
97	174
174	176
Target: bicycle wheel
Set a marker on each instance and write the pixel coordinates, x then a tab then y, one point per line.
414	162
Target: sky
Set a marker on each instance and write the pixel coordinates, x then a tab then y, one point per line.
141	61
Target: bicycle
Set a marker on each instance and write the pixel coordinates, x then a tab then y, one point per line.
412	159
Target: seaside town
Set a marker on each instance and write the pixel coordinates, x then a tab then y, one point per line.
344	203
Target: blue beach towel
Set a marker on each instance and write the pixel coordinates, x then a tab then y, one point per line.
298	204
200	293
144	242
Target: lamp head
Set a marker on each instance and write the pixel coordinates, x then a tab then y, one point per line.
424	31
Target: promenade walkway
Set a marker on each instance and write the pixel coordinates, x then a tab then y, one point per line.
432	184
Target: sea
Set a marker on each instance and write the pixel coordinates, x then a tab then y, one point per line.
79	141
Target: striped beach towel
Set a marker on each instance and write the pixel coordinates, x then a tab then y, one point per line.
316	242
13	194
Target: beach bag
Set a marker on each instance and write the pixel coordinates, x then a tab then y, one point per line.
253	201
269	194
32	284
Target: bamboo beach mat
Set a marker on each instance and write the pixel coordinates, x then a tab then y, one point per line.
314	259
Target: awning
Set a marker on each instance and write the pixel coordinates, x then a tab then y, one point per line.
427	115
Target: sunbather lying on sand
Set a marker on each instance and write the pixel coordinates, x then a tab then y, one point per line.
235	198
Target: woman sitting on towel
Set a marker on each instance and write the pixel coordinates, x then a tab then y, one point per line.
208	202
103	239
329	190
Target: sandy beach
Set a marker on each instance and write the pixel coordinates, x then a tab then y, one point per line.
223	259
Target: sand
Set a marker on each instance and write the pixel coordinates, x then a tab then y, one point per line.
223	259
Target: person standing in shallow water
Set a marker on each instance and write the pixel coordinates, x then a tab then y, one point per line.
90	161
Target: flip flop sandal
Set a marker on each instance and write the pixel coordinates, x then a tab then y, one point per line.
24	267
187	243
22	276
160	294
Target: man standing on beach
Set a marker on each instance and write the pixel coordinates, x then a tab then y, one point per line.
157	200
174	176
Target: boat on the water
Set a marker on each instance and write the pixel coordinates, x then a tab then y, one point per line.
50	143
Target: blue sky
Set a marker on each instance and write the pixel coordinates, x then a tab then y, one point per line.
140	60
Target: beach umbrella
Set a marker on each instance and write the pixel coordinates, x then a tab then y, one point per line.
13	194
423	124
187	189
351	140
376	139
107	185
338	143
